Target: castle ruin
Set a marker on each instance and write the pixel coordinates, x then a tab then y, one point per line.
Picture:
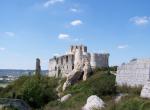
134	73
63	65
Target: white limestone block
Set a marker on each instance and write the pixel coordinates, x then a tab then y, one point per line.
65	98
93	102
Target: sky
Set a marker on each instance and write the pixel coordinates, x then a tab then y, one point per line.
31	29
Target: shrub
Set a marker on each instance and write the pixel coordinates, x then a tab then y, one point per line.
105	85
37	92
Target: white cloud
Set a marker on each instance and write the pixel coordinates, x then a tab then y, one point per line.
2	48
74	10
122	46
76	22
11	34
63	36
140	20
51	2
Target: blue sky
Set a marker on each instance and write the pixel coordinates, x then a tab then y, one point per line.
43	28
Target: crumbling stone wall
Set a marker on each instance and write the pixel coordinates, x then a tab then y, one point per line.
61	66
134	73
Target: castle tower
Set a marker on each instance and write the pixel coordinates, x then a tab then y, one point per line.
99	60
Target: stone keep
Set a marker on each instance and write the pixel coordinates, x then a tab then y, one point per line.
134	73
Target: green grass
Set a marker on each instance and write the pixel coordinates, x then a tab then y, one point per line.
100	83
129	90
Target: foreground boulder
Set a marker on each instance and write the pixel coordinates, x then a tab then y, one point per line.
65	98
145	93
93	102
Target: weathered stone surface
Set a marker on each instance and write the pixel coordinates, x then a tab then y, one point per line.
66	84
93	102
86	69
63	65
134	73
99	60
73	77
145	93
78	58
65	98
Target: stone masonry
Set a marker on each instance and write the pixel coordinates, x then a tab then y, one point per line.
63	65
134	73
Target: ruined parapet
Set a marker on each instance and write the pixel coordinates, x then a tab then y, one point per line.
73	48
99	60
134	73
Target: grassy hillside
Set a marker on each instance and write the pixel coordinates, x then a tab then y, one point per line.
101	83
41	93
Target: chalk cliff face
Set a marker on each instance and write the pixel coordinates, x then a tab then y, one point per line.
134	73
63	65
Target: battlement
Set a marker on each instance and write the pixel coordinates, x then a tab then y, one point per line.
80	47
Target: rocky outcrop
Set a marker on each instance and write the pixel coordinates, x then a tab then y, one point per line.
17	103
72	78
86	69
93	102
145	93
82	68
65	98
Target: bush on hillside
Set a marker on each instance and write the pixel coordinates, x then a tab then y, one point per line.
13	88
105	85
36	92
